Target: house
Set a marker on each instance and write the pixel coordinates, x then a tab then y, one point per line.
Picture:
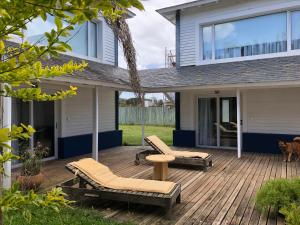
236	81
238	73
66	127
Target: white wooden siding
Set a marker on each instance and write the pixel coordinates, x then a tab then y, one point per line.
191	20
108	45
77	114
272	111
187	111
187	43
106	109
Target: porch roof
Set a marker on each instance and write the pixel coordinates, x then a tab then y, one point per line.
276	71
261	72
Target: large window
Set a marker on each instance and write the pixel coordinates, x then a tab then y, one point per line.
78	39
207	42
254	36
93	39
296	30
247	37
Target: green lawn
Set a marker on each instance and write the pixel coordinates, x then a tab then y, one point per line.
132	134
67	216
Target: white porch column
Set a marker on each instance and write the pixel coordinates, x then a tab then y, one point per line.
143	121
95	123
239	128
7	124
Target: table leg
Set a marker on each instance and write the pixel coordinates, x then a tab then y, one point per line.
160	171
164	171
157	171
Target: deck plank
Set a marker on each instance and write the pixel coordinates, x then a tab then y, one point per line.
224	195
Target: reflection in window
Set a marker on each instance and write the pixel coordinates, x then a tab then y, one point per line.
247	37
296	30
225	111
207	42
93	39
78	38
19	115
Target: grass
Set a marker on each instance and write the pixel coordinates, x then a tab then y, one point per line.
132	134
66	216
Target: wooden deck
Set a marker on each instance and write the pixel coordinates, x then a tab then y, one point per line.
223	195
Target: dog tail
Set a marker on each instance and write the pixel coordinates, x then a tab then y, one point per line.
296	139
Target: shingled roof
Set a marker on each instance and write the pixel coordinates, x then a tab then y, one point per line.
279	69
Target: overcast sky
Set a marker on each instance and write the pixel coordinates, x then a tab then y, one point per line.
151	33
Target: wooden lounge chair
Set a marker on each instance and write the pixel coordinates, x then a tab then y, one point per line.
181	157
94	179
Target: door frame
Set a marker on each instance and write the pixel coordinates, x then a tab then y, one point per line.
218	97
55	125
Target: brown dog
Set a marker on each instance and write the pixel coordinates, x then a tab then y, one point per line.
290	148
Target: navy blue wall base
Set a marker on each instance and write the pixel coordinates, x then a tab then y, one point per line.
264	143
184	138
110	139
83	144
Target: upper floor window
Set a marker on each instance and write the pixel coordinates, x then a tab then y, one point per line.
296	30
207	42
84	39
248	37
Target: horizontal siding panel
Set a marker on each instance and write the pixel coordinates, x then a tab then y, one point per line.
106	109
78	118
273	111
187	43
187	111
108	45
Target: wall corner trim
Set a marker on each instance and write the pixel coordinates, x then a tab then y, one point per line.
178	13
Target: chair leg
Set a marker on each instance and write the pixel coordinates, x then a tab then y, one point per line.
82	183
169	212
178	199
137	159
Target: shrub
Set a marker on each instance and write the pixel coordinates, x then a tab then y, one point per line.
282	195
278	194
291	214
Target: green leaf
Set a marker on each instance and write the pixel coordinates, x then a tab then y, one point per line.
58	23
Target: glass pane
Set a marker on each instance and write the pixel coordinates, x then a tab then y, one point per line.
296	30
254	36
43	114
20	114
93	39
225	111
228	122
78	38
207	42
207	120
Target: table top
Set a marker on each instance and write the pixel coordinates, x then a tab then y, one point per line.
160	158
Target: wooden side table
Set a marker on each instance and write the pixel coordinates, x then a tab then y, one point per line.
160	163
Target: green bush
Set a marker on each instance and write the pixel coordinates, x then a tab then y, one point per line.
283	195
277	194
291	214
66	216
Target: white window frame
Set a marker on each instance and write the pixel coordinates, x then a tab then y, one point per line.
100	39
289	51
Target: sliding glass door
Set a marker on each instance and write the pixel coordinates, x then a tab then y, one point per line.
217	122
228	122
43	114
207	121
